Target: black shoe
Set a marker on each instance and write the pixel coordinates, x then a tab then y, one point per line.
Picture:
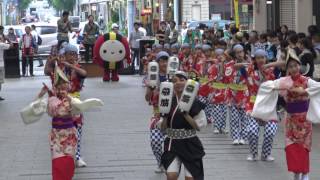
1	98
40	65
32	75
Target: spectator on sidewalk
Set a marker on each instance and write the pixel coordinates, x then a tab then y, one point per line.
64	27
3	46
134	37
90	32
115	28
284	32
171	35
3	38
27	46
184	30
12	36
160	35
307	56
36	38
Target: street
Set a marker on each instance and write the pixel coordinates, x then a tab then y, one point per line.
115	140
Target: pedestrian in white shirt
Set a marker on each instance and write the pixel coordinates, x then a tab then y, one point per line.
134	37
35	36
3	46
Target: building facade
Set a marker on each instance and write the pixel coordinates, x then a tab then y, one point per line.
195	10
224	9
296	14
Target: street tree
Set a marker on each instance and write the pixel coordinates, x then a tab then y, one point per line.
62	5
23	4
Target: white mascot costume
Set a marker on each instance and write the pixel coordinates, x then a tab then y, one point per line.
109	51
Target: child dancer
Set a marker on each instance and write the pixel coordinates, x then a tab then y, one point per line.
238	94
301	95
152	96
63	136
218	95
258	75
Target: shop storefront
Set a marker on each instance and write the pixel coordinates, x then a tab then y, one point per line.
224	9
151	12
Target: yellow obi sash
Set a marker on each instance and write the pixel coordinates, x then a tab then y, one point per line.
217	85
204	80
156	110
238	87
253	99
75	94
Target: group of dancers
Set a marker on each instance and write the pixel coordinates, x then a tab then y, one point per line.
61	100
230	81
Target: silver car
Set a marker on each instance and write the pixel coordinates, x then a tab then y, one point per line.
47	32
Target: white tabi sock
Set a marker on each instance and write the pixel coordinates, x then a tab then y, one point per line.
305	177
297	176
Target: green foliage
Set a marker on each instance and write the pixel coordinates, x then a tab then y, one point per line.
114	16
62	5
23	4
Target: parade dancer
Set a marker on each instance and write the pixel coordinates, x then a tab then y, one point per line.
258	75
182	146
201	68
152	96
301	95
238	95
63	136
68	62
186	58
76	75
218	95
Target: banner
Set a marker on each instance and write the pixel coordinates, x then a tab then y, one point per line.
236	12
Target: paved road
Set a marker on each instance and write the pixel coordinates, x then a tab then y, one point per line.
115	142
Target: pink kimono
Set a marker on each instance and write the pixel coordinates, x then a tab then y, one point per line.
63	138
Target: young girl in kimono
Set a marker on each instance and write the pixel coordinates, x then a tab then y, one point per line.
63	136
298	131
258	75
301	96
182	145
68	62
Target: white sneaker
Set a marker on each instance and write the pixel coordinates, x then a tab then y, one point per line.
80	163
159	169
235	142
252	158
268	159
216	131
242	142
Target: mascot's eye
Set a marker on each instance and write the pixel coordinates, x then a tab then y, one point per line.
105	51
120	51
